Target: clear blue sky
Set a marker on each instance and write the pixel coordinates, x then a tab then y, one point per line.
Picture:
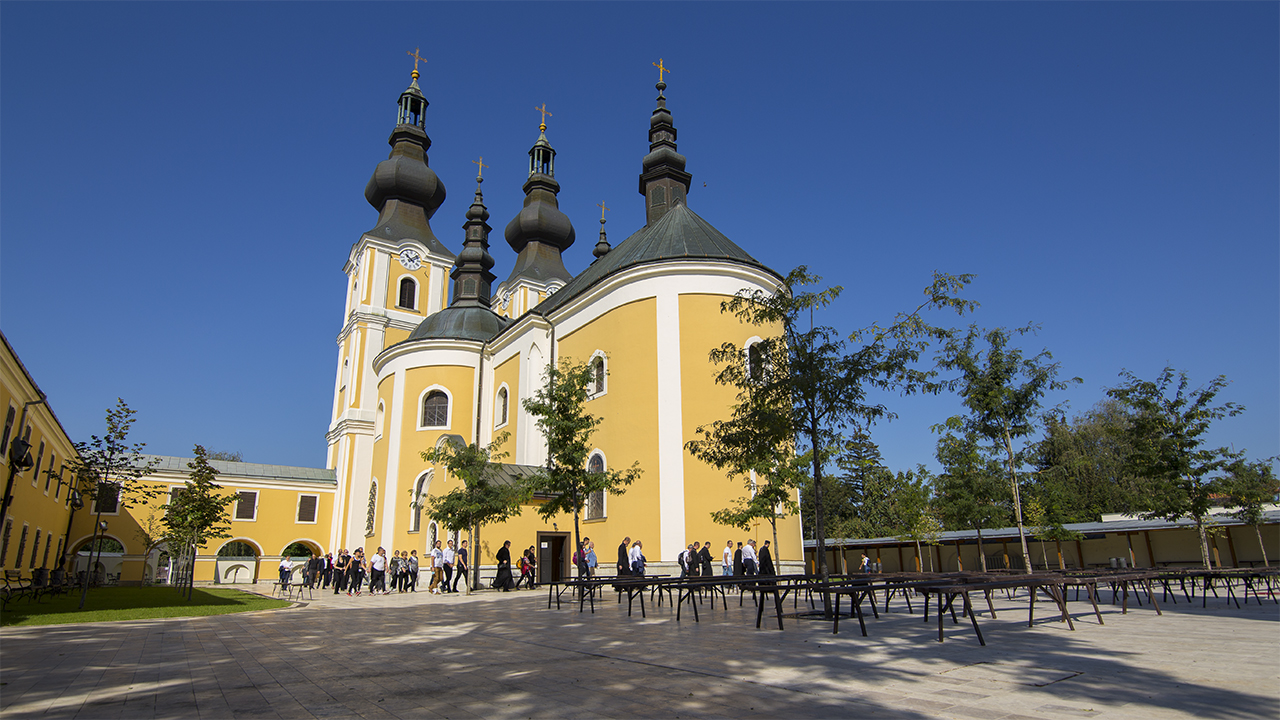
181	182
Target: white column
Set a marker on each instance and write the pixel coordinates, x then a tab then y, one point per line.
390	486
670	428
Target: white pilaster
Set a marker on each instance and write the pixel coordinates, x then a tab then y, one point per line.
670	427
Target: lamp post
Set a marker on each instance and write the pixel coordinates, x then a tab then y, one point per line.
102	525
76	499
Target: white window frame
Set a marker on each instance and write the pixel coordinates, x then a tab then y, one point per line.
604	500
417	292
297	510
499	423
423	397
746	355
592	394
257	499
420	487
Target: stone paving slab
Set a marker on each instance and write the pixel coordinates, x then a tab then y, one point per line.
505	655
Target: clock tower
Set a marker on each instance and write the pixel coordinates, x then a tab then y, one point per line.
397	275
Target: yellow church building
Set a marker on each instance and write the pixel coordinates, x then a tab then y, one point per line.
421	359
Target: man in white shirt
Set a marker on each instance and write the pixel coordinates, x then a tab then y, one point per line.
448	566
749	557
378	573
437	568
726	560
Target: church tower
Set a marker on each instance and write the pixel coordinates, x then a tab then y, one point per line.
539	234
397	276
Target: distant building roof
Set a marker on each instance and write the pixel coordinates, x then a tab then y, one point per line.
1128	524
167	463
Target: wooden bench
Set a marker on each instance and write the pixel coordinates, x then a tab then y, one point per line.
16	586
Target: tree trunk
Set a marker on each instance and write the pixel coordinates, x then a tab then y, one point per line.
777	556
1017	500
1204	542
919	567
820	538
982	555
1061	565
1261	546
475	558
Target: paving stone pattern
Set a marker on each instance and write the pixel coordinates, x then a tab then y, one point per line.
495	655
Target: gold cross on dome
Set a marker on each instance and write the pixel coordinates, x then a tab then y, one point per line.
602	209
661	69
416	57
542	127
480	162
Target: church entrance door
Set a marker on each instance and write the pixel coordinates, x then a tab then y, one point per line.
553	556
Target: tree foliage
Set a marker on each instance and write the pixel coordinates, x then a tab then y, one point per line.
484	496
558	408
1081	465
816	384
196	514
1248	486
1166	438
970	493
1002	391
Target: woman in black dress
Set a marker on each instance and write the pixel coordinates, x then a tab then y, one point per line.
503	580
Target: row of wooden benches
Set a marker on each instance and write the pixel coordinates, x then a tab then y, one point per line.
41	584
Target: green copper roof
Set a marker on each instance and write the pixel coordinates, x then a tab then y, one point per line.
678	235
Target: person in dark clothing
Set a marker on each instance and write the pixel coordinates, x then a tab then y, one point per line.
738	567
704	558
340	571
624	559
502	580
766	560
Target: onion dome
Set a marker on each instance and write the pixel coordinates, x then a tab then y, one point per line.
540	231
403	189
663	181
469	316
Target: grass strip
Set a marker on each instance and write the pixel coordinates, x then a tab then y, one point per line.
132	603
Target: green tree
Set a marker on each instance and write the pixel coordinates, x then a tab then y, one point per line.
1002	391
1167	445
110	467
969	493
196	514
1249	486
923	530
226	455
815	387
1047	524
1082	464
558	408
485	496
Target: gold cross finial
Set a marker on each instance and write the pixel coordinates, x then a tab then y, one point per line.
416	57
542	127
602	209
661	69
480	162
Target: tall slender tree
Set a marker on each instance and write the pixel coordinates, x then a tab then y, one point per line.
196	514
112	467
1249	486
485	496
814	384
558	408
969	493
1167	445
1002	391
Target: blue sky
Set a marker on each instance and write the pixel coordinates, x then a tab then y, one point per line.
180	183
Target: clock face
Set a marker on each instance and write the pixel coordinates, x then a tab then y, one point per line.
410	259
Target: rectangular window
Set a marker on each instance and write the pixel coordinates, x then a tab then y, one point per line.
35	476
8	428
22	547
48	475
247	505
60	541
4	541
595	505
307	508
35	548
108	499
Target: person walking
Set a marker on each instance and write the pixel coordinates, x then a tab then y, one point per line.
738	568
461	569
624	557
437	569
749	558
340	571
448	560
636	557
726	560
328	571
766	560
502	579
591	559
704	559
411	572
355	572
378	573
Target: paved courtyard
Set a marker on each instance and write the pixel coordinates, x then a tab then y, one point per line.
495	655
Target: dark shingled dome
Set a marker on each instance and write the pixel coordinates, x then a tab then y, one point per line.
461	323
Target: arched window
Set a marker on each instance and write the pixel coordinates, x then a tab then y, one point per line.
435	409
599	382
371	513
500	407
597	374
433	535
595	500
755	362
408	293
419	500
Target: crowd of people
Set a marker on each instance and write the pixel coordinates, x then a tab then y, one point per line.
348	571
447	566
